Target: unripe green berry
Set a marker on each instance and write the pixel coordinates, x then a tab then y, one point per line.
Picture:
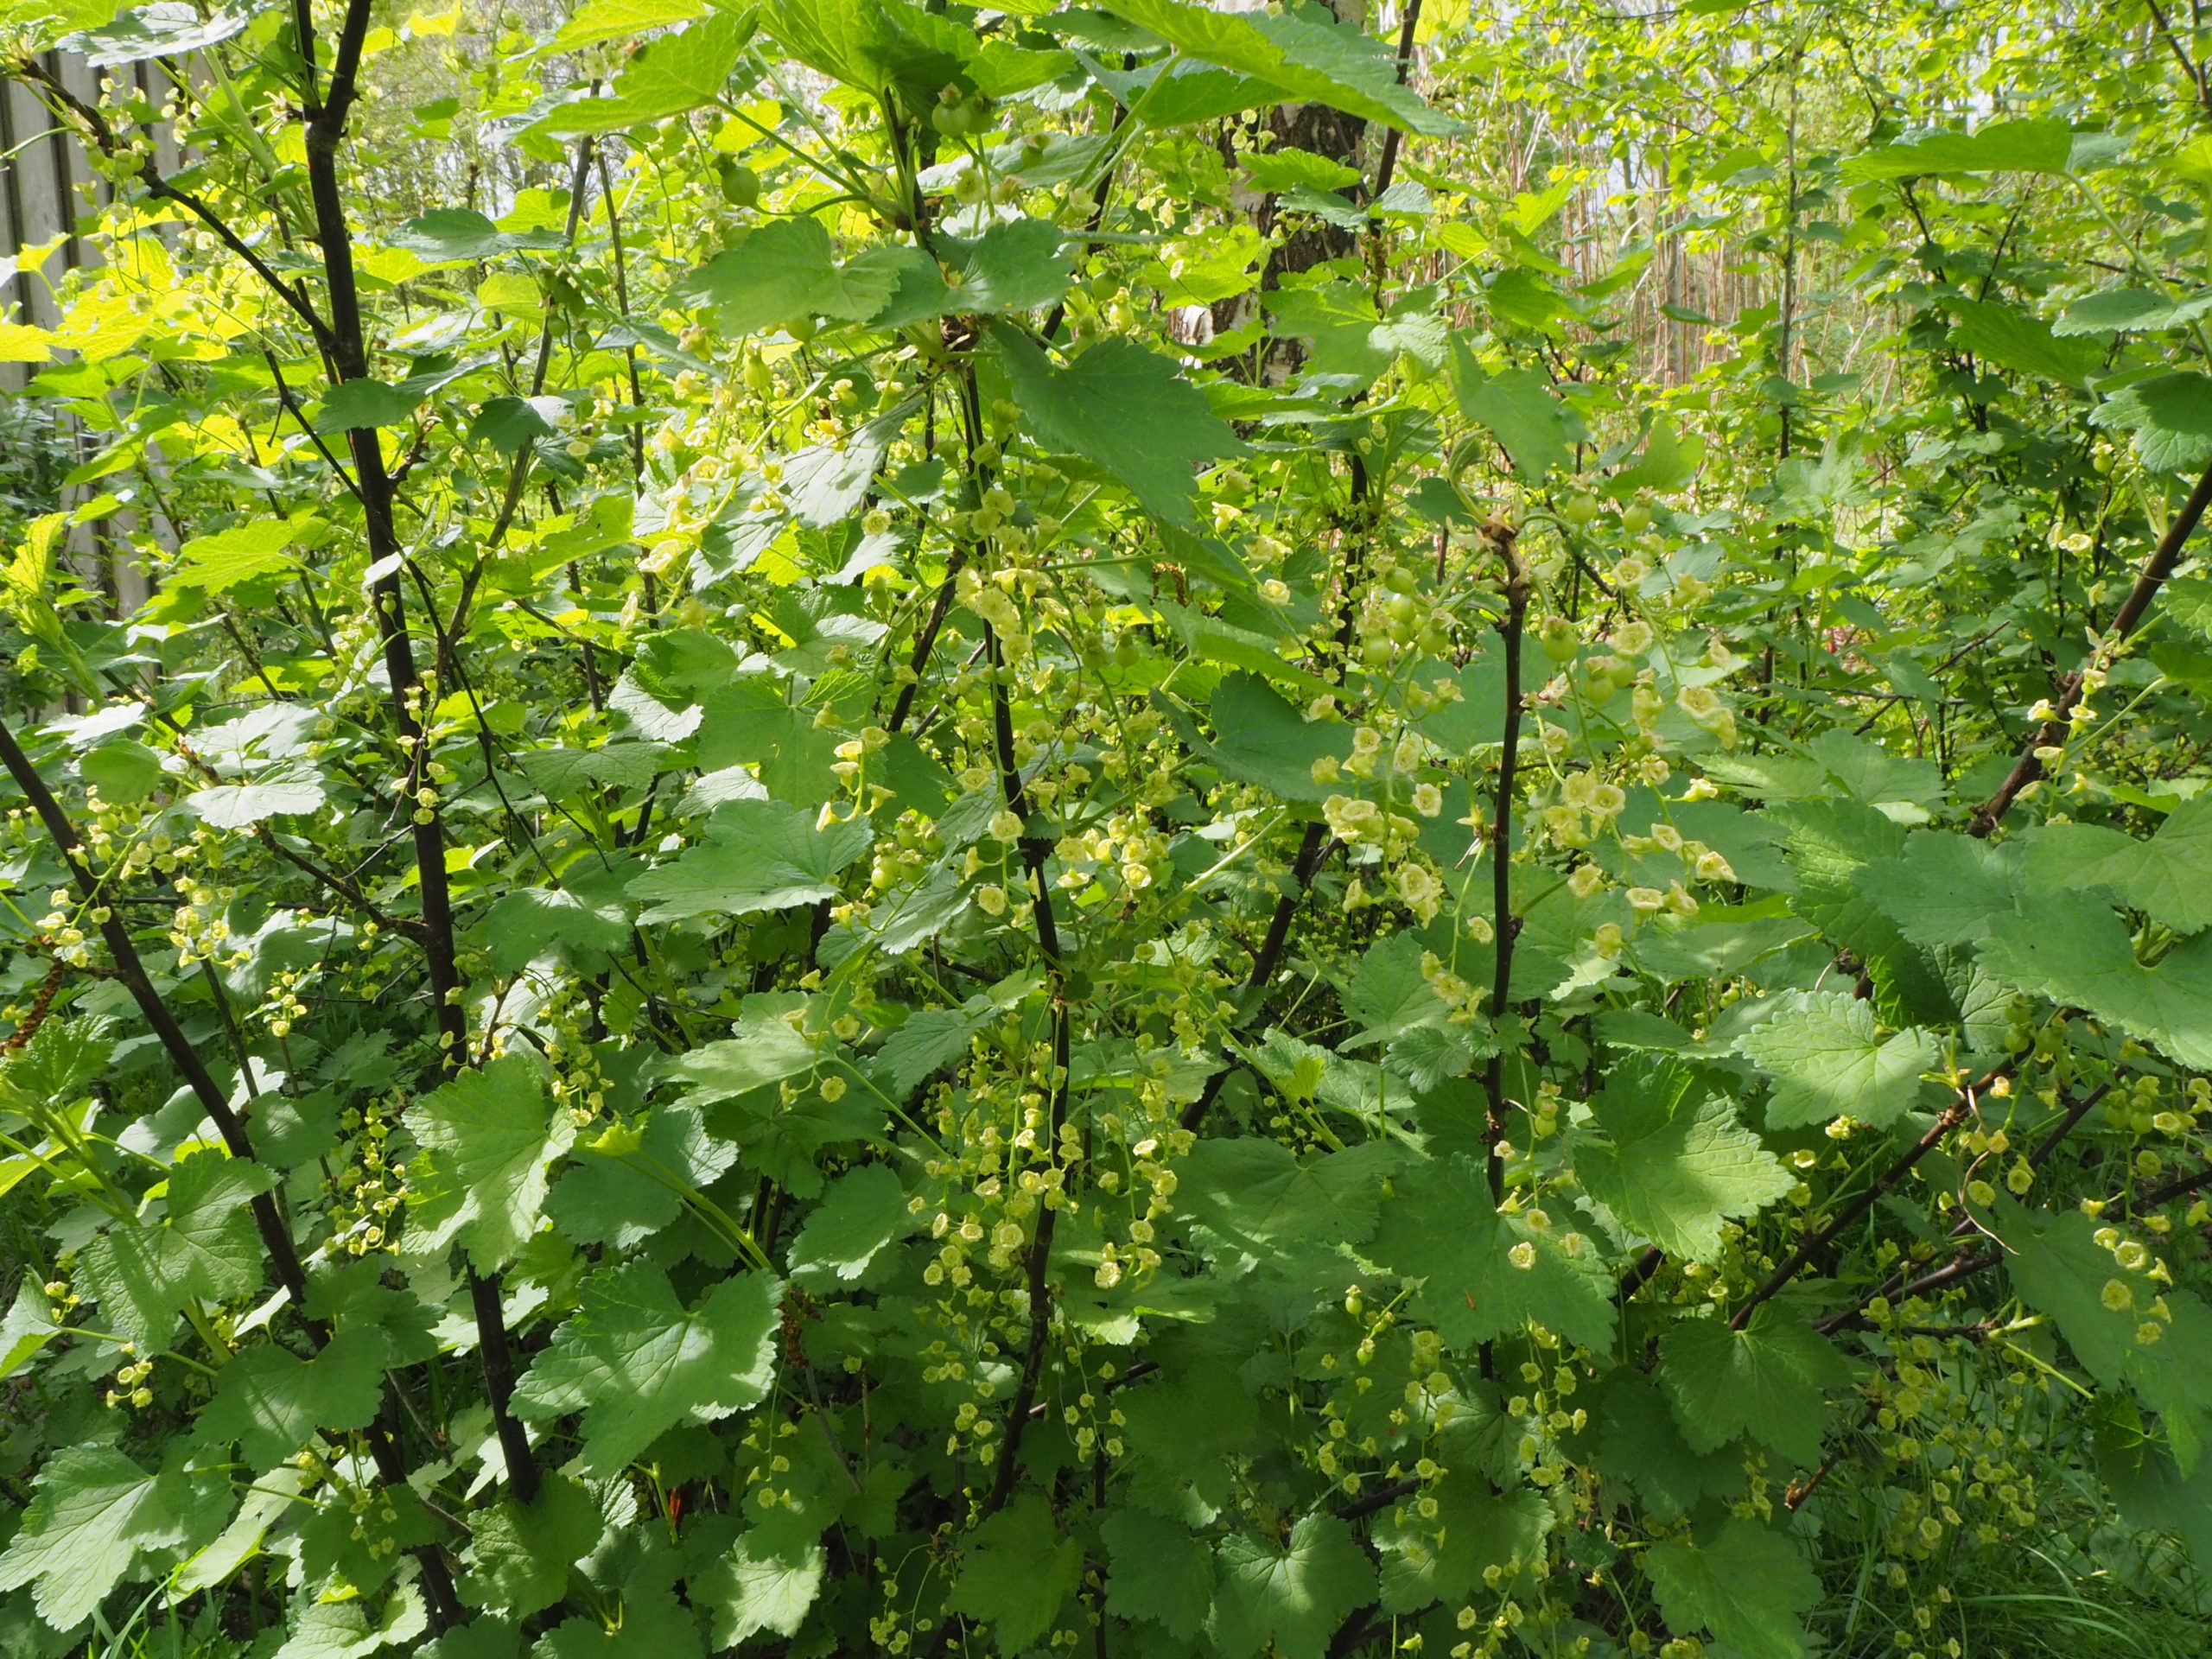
1559	639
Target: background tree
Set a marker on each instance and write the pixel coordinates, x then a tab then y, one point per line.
797	926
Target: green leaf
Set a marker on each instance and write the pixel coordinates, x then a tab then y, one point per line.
363	406
268	1502
929	1041
1017	1573
1259	1195
1486	1273
2059	1268
757	855
1669	461
1157	1571
1747	1584
565	774
531	920
354	1299
450	235
1998	333
2151	1490
1186	1434
1015	266
270	1402
1389	996
1523	299
623	1196
208	1248
1672	1166
125	1271
615	20
2075	951
2171	415
2168	878
768	1581
667	76
1194	91
1288	167
1769	1379
2115	310
766	1050
123	770
1826	1061
1829	841
2173	1375
489	1135
334	1630
58	1067
876	46
519	1554
219	562
637	1364
1640	1445
1338	319
1442	1558
1311	63
25	1327
2034	146
1000	69
1259	738
1946	890
156	30
1870	773
653	1625
865	1211
1122	408
916	289
1295	1595
1536	431
780	273
2188	600
240	806
94	1511
510	424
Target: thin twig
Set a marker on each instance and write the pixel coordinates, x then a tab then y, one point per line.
1949	1118
2052	732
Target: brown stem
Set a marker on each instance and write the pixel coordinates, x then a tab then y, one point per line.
925	641
338	884
1949	1119
276	1238
291	406
579	182
1393	138
2049	1144
1502	924
2193	72
2166	1191
1034	852
2156	569
1969	1262
1313	847
1798	1491
1640	1271
622	300
349	341
1381	1498
1041	1289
